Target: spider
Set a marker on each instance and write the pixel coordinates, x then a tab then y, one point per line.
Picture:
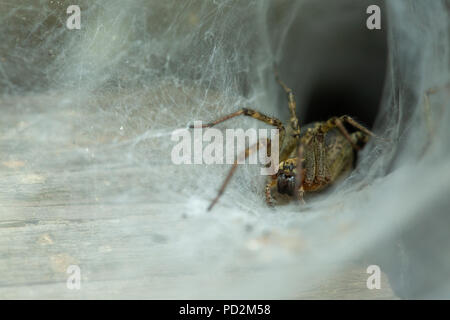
311	158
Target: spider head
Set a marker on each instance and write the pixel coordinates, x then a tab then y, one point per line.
286	178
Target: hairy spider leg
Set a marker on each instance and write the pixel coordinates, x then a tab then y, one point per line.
291	104
258	116
255	115
247	152
268	191
337	122
292	142
299	176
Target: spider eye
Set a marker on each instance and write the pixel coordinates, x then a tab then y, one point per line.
288	167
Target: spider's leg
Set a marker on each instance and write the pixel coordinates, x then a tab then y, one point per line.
249	113
357	125
299	176
291	103
337	122
247	152
268	191
359	138
300	194
255	115
345	133
293	140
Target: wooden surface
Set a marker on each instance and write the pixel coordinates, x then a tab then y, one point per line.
63	202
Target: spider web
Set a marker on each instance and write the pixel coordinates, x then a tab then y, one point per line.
88	115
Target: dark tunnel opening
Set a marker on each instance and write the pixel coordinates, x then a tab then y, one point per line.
334	63
326	101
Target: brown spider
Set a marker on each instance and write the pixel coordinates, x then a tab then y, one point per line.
322	152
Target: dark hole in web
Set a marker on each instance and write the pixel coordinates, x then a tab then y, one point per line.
326	101
335	67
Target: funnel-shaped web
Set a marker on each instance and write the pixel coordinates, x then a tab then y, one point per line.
86	176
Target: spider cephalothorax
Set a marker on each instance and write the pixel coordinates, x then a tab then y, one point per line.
311	158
